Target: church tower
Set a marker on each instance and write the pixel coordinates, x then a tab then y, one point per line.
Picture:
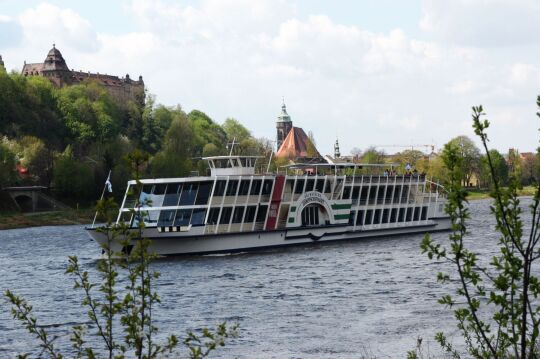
283	125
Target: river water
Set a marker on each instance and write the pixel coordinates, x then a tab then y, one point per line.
367	298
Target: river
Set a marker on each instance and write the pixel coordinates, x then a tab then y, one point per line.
341	300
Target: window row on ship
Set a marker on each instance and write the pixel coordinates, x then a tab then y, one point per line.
163	199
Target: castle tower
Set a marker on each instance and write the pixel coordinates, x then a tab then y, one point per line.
2	67
283	125
55	68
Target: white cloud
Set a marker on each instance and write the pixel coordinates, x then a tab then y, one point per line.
485	23
47	23
238	58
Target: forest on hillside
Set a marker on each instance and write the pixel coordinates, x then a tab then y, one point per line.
69	138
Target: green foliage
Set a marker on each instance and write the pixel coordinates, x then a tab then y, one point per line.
235	130
470	157
496	305
499	166
89	113
174	160
72	178
7	165
373	156
205	131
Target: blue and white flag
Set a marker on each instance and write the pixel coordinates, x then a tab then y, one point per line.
108	183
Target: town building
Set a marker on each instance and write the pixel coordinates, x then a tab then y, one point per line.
56	70
292	142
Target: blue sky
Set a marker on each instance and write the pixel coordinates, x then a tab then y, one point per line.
368	72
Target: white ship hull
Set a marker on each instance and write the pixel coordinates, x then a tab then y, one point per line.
180	244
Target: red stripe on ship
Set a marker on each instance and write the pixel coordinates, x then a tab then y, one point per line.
275	202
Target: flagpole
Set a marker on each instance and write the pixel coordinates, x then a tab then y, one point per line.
102	194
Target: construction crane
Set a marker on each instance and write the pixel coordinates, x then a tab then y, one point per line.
411	147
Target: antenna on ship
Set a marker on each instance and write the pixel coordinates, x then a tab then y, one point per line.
232	145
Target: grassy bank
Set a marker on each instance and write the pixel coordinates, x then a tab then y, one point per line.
474	194
10	220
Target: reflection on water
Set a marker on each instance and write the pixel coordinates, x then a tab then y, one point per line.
335	300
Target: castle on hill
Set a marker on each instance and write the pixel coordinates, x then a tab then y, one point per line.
56	70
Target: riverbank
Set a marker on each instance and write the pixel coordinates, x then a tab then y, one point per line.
483	194
12	220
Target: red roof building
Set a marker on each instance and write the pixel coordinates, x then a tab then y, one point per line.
297	144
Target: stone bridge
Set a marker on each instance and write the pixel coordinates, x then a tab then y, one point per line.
33	198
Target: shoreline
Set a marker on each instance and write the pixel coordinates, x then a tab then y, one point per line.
16	220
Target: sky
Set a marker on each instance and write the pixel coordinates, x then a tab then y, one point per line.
367	72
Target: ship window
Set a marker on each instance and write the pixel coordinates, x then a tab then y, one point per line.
408	216
393	215
397	192
189	191
404	193
401	216
256	187
204	193
369	215
250	214
385	215
320	185
131	197
364	195
166	218
388	197
377	217
423	217
225	215
328	186
416	215
238	214
232	187
244	188
299	186
243	161
172	194
182	217
125	217
351	218
288	190
145	198
310	215
310	184
220	188
261	214
380	194
355	193
267	187
197	218
372	195
213	216
159	189
346	192
360	218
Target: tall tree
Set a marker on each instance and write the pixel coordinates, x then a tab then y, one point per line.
470	155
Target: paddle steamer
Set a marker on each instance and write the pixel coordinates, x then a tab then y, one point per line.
235	209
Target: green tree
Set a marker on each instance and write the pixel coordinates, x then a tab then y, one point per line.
373	156
499	165
470	154
72	178
235	130
205	131
530	170
496	308
7	166
174	160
